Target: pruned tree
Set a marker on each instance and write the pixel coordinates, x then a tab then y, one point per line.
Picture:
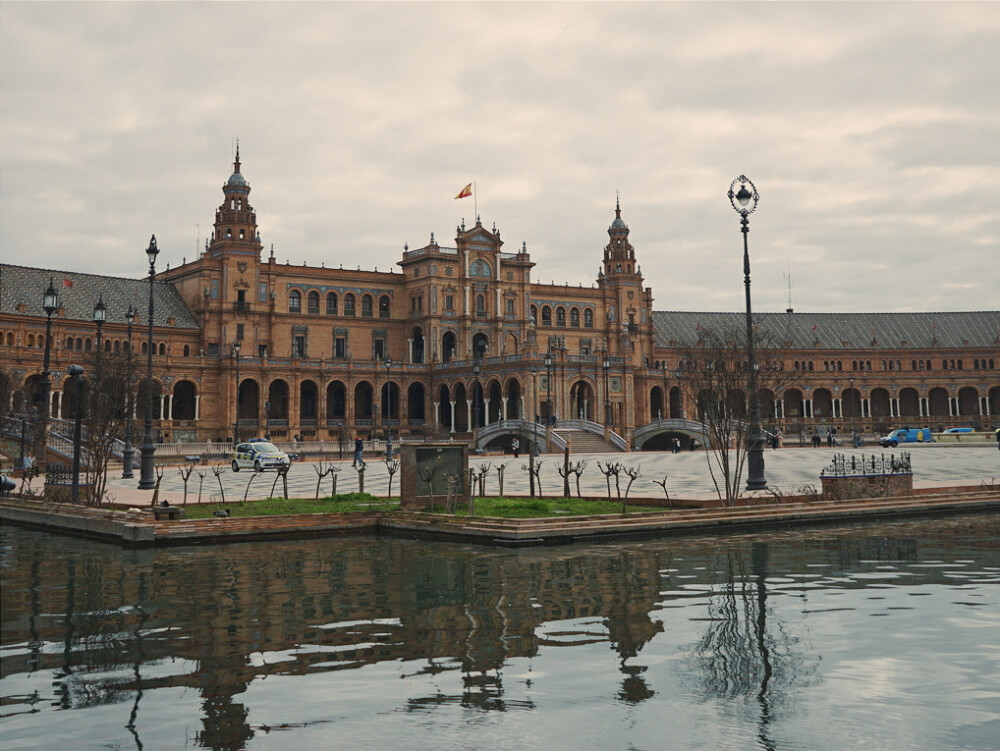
427	473
185	473
217	470
392	467
105	412
484	469
715	377
534	473
322	470
663	484
577	469
633	474
500	470
609	470
282	475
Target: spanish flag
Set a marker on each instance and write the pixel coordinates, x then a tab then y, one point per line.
465	192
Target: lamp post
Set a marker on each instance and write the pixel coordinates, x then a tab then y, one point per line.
606	366
548	388
128	454
680	393
744	202
236	417
100	316
854	413
475	397
148	449
387	362
50	304
267	424
531	439
76	372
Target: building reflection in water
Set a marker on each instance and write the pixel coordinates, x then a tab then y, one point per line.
215	619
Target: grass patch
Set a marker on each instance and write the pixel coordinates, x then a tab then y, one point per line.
338	504
530	508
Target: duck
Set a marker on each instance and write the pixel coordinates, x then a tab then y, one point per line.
223	514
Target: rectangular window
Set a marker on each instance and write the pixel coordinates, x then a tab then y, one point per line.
378	349
213	349
510	307
239	332
261	350
449	302
340	347
299	346
215	289
262	292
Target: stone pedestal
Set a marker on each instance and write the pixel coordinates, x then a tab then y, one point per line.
445	460
849	487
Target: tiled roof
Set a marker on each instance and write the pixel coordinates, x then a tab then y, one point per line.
23	284
839	330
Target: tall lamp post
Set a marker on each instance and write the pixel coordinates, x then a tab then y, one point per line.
548	388
475	397
606	366
128	454
236	417
387	362
744	202
148	449
100	316
76	372
854	413
531	439
50	304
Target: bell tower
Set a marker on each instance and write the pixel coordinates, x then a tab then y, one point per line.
235	220
619	255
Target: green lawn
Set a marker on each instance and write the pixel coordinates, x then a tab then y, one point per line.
507	508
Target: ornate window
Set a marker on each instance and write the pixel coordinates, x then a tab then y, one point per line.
312	303
331	303
294	301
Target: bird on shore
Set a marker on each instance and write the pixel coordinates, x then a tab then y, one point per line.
223	514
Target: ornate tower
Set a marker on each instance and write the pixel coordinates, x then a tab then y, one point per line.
235	220
619	255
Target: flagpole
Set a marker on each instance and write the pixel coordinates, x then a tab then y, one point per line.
475	199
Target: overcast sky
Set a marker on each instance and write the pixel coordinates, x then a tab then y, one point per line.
872	133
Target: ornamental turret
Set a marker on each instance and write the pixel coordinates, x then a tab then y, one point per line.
235	220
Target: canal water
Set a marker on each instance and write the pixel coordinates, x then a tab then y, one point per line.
859	637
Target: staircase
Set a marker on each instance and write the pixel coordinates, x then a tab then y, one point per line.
584	442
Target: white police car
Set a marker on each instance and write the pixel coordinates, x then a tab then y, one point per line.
259	455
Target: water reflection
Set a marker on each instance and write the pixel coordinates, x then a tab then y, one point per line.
86	625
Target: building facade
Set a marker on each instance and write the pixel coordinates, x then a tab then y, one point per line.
461	337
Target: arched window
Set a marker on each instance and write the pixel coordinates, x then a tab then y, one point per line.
534	313
588	318
348	304
312	303
294	301
163	349
331	303
481	305
546	315
187	350
69	342
383	306
560	316
366	306
574	318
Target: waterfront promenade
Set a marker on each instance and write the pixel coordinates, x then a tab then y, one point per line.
788	470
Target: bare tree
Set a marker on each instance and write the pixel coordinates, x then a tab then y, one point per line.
500	469
534	471
633	474
217	470
715	379
392	467
105	411
322	470
427	475
185	473
663	484
577	469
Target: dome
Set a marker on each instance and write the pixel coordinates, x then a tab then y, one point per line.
236	179
619	223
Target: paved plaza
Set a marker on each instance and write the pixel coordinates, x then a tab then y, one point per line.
687	474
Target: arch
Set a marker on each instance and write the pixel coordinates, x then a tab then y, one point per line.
677	403
588	318
308	400
460	417
822	401
546	315
534	314
766	404
87	345
389	405
187	350
336	400
494	410
278	400
574	317
478	397
792	404
312	303
937	401
331	303
968	401
349	304
850	403
993	400
364	400
510	344
415	401
417	345
656	410
581	396
294	301
480	345
879	402
185	397
384	307
560	316
448	344
909	403
514	399
481	305
69	342
142	389
445	416
367	306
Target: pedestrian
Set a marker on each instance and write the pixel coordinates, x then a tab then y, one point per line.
676	445
515	447
359	447
998	439
829	439
816	440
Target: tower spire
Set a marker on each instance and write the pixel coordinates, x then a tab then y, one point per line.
236	164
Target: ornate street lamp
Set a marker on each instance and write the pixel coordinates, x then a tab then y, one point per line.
475	396
148	449
50	304
744	202
76	372
100	316
128	454
606	366
236	418
548	388
534	423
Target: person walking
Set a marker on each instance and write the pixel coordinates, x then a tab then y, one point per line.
359	447
515	447
998	439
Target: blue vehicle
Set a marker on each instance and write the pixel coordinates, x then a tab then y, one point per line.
958	430
906	435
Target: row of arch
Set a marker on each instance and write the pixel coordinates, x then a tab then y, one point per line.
560	316
967	401
333	304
